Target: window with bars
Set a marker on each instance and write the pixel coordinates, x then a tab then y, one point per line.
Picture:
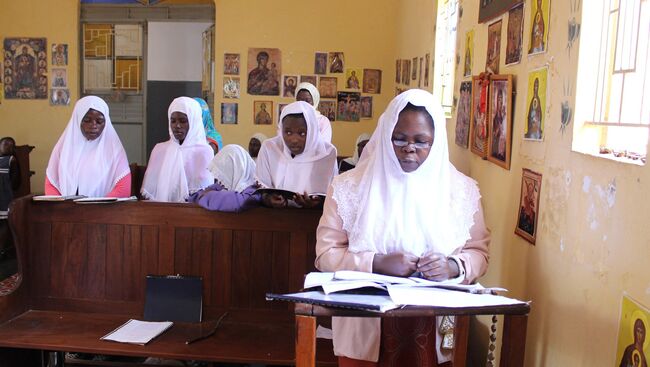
445	51
613	87
112	57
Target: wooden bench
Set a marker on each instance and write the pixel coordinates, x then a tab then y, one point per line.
83	272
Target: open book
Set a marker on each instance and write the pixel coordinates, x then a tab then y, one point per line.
137	332
376	292
346	280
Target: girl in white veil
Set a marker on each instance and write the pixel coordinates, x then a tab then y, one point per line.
89	158
179	166
403	210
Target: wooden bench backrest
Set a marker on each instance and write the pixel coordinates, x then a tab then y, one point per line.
94	258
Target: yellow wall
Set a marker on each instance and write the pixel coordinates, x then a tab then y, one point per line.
362	29
592	243
35	122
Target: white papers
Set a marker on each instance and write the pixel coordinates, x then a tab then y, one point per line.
323	332
137	332
103	200
56	197
419	296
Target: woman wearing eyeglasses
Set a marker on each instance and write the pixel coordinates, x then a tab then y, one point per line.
403	210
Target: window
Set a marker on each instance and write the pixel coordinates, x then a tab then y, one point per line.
445	50
613	88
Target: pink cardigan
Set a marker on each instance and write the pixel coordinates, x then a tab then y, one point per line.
359	338
122	188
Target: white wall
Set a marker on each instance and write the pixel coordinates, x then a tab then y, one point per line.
174	51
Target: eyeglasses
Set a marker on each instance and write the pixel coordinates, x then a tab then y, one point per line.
419	145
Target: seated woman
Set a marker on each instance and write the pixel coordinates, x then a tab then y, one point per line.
307	92
297	159
178	167
255	144
403	210
349	163
234	171
89	158
211	134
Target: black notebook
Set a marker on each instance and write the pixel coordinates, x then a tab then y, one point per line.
173	298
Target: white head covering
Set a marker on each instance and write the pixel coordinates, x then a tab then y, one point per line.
324	124
176	170
91	168
260	137
311	171
315	95
355	157
385	209
233	167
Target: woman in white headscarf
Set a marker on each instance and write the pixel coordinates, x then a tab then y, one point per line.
255	143
297	159
89	158
234	171
179	166
403	210
307	92
349	163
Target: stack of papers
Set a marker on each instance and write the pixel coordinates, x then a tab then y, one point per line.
137	332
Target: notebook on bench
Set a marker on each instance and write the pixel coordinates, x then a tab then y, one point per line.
173	298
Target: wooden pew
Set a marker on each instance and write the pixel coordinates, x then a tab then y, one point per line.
84	267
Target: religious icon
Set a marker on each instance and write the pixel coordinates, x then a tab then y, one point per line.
469	53
230	87
264	70
372	81
281	106
311	79
59	97
398	71
328	109
406	71
320	63
494	48
231	64
60	54
336	62
60	78
348	106
366	107
499	136
427	62
514	35
229	113
536	104
353	78
633	344
414	68
26	60
327	87
463	114
263	112
490	9
539	26
478	117
531	183
289	86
